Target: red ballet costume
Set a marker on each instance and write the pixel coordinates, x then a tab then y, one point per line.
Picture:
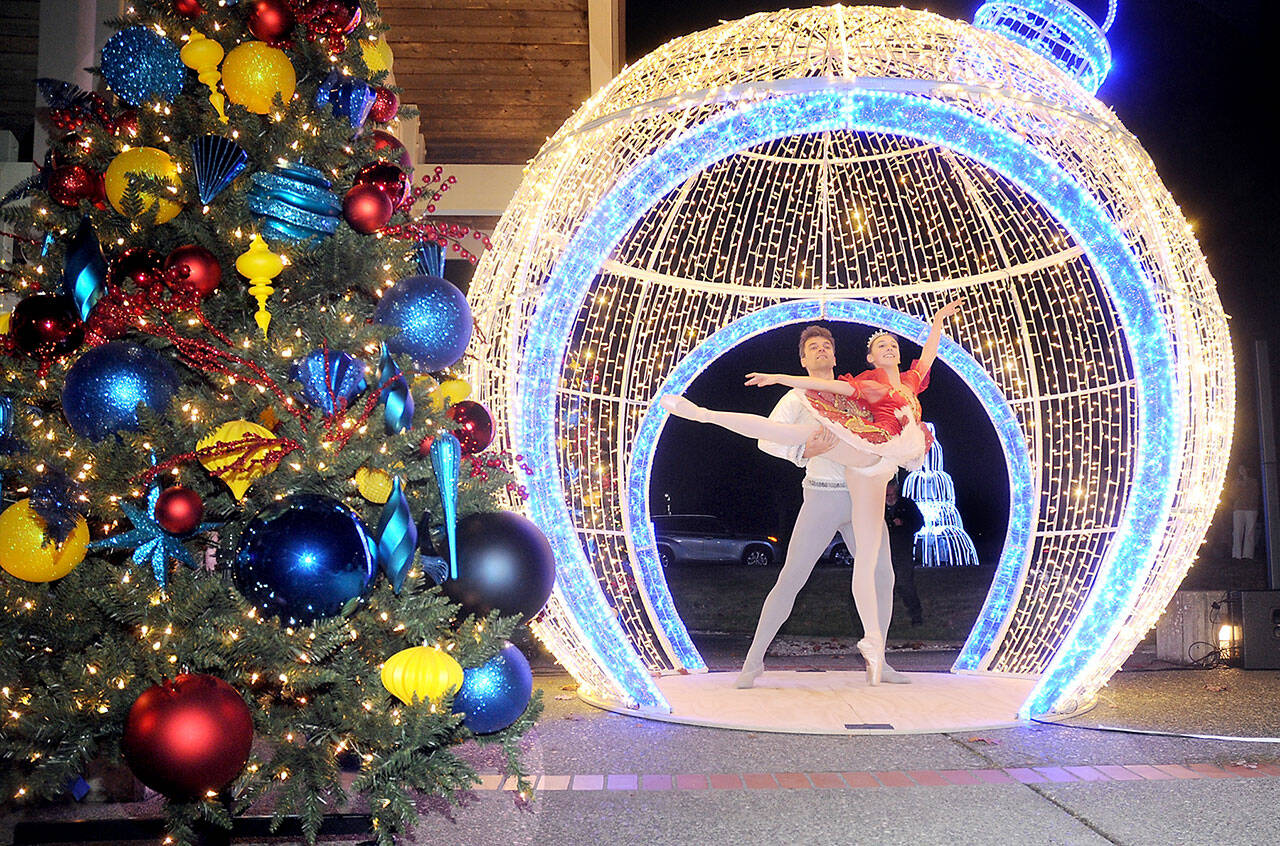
889	427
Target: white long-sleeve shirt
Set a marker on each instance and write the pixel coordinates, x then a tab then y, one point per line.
819	472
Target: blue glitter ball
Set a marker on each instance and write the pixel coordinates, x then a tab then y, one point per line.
433	317
303	558
328	378
105	386
140	64
294	204
495	694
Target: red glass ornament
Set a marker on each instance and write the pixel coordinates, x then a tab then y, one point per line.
46	326
70	184
424	448
385	105
179	510
271	21
193	271
388	178
126	123
366	208
473	425
388	148
141	265
188	736
188	8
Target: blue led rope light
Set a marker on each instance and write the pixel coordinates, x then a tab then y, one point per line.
1056	30
1012	443
895	114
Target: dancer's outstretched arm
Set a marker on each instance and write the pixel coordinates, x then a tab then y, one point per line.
805	383
930	351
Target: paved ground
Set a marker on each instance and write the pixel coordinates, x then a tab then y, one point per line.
608	779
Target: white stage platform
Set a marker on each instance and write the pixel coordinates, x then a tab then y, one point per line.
840	702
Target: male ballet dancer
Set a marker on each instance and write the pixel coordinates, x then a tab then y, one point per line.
825	511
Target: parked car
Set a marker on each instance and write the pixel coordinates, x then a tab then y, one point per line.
682	538
837	553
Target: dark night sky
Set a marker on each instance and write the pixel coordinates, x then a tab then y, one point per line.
1188	82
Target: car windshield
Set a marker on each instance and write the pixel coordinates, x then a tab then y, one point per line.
692	523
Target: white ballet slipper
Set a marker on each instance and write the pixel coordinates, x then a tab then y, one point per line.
681	407
889	675
747	678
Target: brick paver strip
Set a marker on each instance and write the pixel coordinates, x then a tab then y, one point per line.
1246	772
588	782
1177	771
826	780
1086	773
1273	769
1056	774
687	781
992	776
490	781
792	780
622	782
1118	773
1025	775
860	780
725	781
1211	770
959	777
759	781
554	782
928	778
895	778
655	782
1149	772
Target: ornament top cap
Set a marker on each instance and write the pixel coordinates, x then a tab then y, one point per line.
1056	30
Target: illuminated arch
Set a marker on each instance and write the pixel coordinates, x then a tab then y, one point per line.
655	225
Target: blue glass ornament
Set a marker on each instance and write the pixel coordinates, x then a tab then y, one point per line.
217	162
397	537
303	558
446	457
105	386
433	317
505	564
430	258
293	203
330	379
346	97
398	413
152	546
84	270
139	64
495	694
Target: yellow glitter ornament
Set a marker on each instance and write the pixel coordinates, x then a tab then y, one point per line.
449	392
202	56
27	551
377	55
259	265
373	485
424	674
254	73
142	161
251	469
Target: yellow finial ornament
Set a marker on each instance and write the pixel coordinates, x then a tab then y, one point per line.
259	265
203	55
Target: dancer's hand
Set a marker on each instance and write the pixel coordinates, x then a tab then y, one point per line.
821	441
948	310
760	380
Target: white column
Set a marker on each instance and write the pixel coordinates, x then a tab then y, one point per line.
605	19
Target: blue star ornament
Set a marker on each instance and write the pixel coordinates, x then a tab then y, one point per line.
150	543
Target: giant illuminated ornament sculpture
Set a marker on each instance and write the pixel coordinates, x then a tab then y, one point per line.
866	164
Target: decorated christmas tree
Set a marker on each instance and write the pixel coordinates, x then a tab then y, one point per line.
250	533
942	541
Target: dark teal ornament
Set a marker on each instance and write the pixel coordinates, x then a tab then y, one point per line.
106	385
84	271
140	64
303	558
446	457
429	256
293	203
433	317
495	694
217	162
398	412
397	537
152	546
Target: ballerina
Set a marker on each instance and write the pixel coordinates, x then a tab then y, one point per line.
875	417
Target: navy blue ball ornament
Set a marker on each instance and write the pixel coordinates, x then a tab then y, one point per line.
106	385
303	558
495	694
433	317
504	563
329	379
140	64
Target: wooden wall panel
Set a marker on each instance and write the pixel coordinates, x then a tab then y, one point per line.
491	78
20	23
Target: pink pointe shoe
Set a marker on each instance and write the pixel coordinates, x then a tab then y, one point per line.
873	654
747	678
681	407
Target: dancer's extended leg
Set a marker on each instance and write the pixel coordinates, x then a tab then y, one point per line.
866	494
821	511
750	425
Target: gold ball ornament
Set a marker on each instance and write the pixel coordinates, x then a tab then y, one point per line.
449	392
376	54
373	485
427	674
143	161
27	552
253	73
